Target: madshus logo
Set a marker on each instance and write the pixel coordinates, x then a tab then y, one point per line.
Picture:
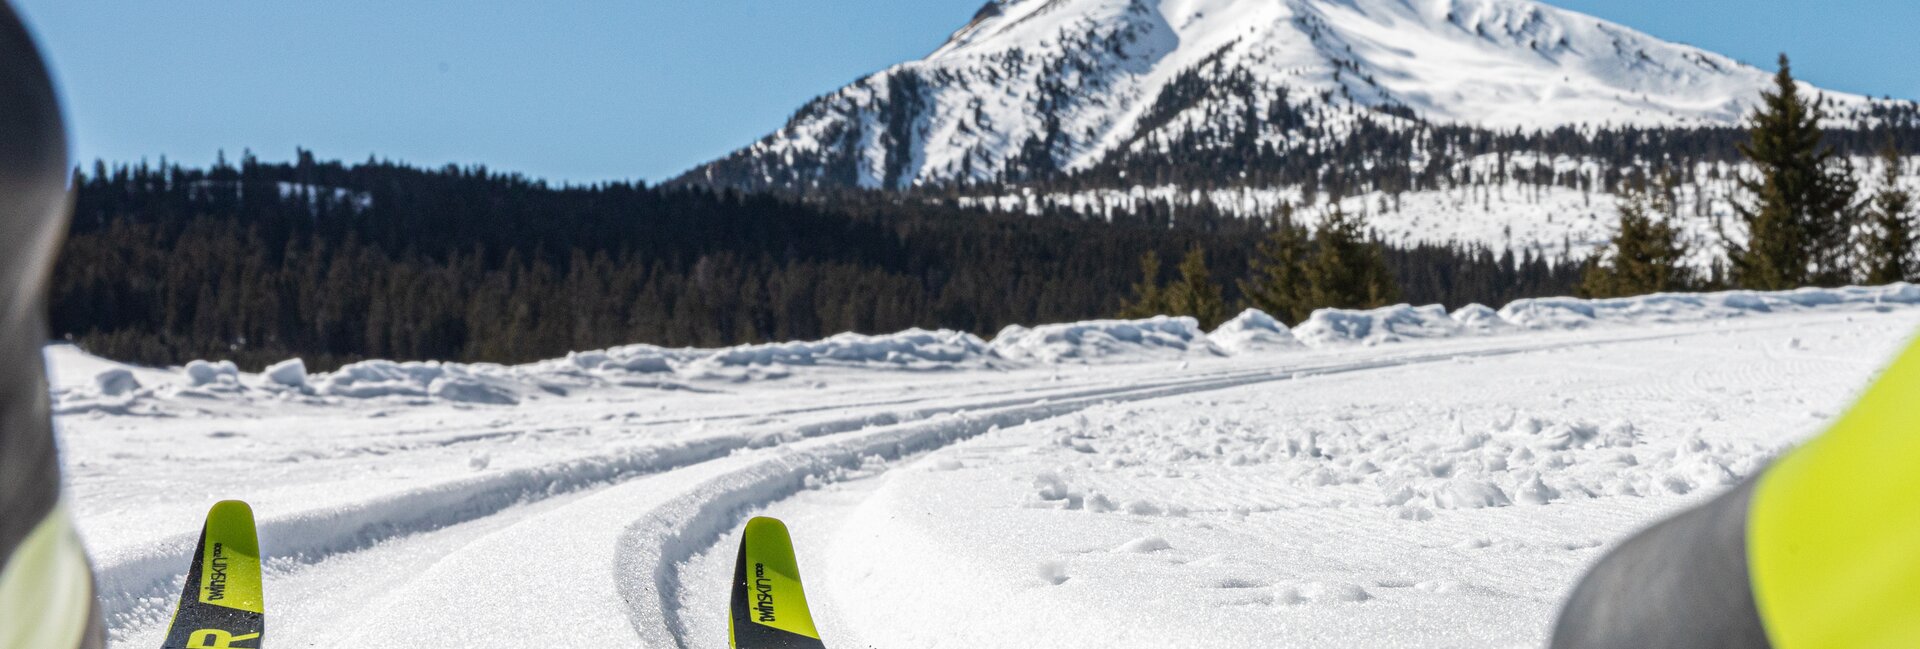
217	577
763	587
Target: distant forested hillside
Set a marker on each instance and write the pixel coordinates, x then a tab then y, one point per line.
333	262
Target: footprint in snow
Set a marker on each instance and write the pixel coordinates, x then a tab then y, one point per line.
1456	587
1053	573
1320	592
1144	545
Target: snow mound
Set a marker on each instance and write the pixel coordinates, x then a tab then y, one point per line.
1480	319
116	382
1253	330
446	381
1330	327
1163	337
85	383
290	373
910	349
1571	313
203	373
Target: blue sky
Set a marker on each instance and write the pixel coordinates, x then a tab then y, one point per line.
587	90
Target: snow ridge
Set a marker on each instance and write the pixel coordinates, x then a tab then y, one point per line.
124	390
1031	86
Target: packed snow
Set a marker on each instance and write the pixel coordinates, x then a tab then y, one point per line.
1408	476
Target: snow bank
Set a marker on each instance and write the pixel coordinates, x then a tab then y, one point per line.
1081	341
86	383
1480	319
912	348
116	382
447	381
1335	327
201	373
1570	313
291	373
1330	327
1253	330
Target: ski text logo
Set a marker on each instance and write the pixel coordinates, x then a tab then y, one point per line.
217	639
217	574
763	588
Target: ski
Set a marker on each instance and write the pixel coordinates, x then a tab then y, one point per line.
769	609
221	606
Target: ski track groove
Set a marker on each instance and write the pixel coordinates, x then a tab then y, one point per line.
652	550
140	581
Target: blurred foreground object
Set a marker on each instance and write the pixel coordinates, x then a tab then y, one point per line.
46	586
1820	550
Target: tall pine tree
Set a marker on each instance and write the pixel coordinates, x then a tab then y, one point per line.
1196	294
1887	251
1279	285
1348	270
1649	253
1800	215
1149	299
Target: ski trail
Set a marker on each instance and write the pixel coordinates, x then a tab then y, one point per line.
138	583
657	544
422	522
592	547
567	555
859	579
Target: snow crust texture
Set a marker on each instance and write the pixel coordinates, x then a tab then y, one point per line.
1414	504
1398	477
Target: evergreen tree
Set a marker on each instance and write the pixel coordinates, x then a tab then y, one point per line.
1279	284
1348	270
1649	253
1196	294
1799	222
1887	252
382	260
1149	299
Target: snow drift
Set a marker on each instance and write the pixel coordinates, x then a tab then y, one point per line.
120	389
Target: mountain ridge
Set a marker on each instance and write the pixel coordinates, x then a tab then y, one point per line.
1034	88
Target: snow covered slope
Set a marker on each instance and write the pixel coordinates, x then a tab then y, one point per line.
1364	479
1549	220
1420	505
1041	85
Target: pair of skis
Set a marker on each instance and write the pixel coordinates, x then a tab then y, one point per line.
223	605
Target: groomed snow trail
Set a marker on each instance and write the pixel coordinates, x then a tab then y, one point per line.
1342	495
1416	505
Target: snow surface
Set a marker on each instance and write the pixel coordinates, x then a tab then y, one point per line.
1398	477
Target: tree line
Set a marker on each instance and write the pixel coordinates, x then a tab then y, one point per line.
258	261
1800	225
1802	222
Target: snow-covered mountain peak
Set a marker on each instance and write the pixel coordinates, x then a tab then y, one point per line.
1032	87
